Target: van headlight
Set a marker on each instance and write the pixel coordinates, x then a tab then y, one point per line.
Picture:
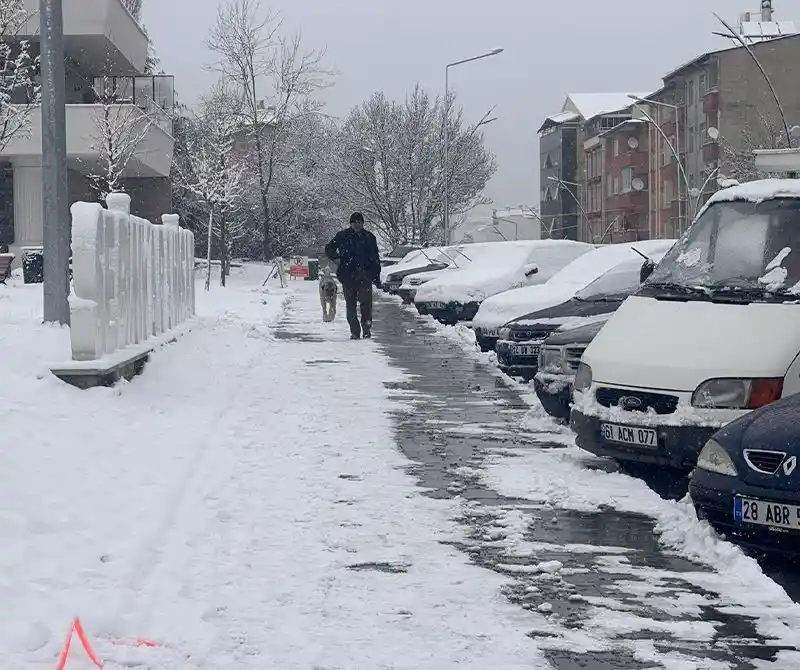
714	458
583	378
551	359
502	333
737	393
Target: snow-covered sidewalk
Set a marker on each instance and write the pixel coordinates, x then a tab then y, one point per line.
240	505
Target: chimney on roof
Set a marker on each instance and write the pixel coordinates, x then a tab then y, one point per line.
766	10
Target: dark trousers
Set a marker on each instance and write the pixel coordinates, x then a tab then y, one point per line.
358	291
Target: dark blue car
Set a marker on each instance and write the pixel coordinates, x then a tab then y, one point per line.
747	483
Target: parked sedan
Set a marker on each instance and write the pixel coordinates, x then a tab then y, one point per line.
498	310
747	483
519	341
559	358
496	267
423	260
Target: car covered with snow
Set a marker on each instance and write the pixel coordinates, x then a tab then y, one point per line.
745	483
494	267
421	260
398	254
495	312
519	340
713	334
559	358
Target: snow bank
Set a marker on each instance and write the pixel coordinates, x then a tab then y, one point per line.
242	504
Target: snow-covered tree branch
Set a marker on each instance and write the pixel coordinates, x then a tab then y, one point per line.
19	92
210	168
393	164
738	161
119	129
276	78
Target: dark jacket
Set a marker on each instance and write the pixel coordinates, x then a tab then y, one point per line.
357	253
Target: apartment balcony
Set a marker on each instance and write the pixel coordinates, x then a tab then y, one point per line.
711	102
98	34
152	156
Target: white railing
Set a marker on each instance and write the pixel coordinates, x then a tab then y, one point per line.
132	281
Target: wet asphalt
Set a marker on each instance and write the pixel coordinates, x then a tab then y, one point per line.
623	568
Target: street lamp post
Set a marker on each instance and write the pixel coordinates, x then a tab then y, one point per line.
55	204
447	135
681	173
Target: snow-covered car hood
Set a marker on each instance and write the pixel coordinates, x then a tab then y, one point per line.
471	284
502	308
660	344
417	279
570	322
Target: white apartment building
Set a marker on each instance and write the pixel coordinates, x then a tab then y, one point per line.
101	40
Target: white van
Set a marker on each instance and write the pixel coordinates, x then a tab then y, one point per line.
713	333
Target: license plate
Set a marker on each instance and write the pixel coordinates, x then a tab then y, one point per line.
637	437
437	305
763	513
525	349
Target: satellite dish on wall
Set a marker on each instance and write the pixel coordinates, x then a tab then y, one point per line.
637	184
713	133
633	143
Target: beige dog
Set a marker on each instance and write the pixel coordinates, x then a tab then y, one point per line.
328	293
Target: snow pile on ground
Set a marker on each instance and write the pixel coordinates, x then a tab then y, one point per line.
570	479
242	504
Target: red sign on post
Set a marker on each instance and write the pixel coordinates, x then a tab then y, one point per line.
299	267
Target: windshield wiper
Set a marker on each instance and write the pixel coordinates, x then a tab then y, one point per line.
674	291
733	290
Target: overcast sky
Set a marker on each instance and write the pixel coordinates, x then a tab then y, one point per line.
551	49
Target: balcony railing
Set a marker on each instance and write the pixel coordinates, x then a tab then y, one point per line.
153	94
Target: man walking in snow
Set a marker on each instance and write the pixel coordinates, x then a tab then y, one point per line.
356	250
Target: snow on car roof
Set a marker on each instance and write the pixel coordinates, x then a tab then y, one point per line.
758	191
509	305
495	267
588	267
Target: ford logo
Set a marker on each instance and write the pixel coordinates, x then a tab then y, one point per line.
630	402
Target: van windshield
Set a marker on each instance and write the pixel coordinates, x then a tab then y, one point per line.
735	250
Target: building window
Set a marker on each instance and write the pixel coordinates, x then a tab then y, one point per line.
616	185
690	92
703	84
690	138
703	133
628	175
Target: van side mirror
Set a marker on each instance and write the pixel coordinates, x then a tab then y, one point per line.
647	269
531	270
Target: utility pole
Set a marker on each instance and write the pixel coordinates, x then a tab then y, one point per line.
55	206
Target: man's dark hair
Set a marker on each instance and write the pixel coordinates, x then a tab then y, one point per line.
356	217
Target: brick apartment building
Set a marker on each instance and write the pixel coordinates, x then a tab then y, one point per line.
562	160
627	178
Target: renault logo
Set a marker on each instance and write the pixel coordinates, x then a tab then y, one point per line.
789	465
630	402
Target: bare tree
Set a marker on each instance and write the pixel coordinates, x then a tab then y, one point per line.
119	130
737	161
276	78
20	95
393	164
208	168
